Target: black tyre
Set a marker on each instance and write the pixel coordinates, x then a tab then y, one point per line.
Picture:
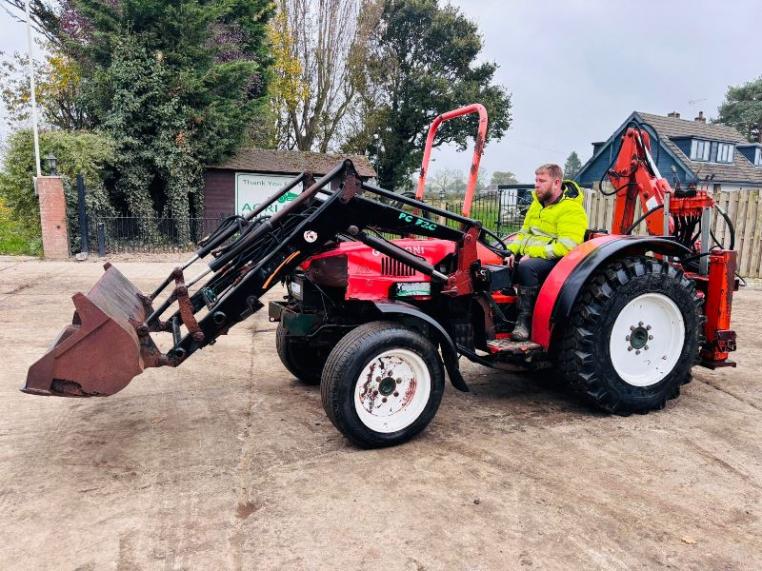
634	336
382	384
304	362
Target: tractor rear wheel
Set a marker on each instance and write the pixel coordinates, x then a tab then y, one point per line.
634	336
304	362
382	384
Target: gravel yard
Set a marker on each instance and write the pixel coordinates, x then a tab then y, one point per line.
229	463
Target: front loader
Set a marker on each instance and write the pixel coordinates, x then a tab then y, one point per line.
379	321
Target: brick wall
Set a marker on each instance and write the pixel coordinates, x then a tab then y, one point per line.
55	235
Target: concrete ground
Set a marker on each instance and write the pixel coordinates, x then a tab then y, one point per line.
229	463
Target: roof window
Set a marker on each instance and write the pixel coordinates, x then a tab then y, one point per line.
700	150
725	152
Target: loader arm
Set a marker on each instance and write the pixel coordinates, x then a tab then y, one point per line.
110	340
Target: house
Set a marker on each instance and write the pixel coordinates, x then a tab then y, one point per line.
253	175
711	156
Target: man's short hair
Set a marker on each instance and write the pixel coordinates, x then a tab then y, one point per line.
553	170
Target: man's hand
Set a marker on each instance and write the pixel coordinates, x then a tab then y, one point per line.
509	261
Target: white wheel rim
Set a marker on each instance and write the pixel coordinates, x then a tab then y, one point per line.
647	339
392	390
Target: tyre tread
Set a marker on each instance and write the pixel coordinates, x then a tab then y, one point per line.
576	358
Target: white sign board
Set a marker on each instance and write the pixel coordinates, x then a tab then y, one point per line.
253	189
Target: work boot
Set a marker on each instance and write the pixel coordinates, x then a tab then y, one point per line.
527	297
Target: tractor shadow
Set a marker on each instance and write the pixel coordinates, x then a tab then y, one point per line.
540	395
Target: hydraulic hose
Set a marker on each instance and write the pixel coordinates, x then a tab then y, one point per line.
639	220
731	228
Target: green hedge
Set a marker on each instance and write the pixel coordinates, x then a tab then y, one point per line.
15	238
90	154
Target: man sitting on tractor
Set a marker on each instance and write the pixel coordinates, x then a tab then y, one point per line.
554	225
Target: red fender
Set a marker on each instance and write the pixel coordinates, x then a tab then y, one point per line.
542	326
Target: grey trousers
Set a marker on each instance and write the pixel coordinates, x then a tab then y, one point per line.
531	272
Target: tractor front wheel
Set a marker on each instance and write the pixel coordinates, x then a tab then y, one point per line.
304	362
382	384
634	336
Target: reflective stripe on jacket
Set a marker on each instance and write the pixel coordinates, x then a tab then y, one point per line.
552	231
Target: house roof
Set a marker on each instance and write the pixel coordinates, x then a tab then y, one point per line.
741	170
292	162
668	128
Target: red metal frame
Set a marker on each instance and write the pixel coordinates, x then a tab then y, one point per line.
718	301
367	281
634	175
542	327
634	181
481	137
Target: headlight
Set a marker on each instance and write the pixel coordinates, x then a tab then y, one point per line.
295	289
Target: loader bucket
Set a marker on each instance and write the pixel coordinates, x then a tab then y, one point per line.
100	352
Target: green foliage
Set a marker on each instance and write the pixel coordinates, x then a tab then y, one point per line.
15	238
58	91
90	154
176	85
422	61
742	109
572	165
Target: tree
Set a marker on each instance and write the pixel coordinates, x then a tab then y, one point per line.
572	165
45	19
446	181
742	109
420	62
176	85
481	180
89	154
502	177
59	91
441	181
318	47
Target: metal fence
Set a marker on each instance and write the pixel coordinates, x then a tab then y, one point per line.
121	234
498	210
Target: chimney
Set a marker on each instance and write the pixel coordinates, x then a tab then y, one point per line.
674	115
700	118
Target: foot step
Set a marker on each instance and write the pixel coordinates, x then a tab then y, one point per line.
510	346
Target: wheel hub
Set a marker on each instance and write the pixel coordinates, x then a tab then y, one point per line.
392	390
644	358
638	338
387	386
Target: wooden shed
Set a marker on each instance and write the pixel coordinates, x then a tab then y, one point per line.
252	175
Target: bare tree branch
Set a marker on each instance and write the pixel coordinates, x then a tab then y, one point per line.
44	19
325	34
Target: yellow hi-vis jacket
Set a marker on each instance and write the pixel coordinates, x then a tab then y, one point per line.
552	231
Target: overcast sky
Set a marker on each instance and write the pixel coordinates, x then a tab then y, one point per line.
576	69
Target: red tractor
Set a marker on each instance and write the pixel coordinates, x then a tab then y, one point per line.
378	322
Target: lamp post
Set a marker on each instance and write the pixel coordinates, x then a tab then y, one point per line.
32	90
52	164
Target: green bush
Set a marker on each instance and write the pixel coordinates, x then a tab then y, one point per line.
90	154
16	239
